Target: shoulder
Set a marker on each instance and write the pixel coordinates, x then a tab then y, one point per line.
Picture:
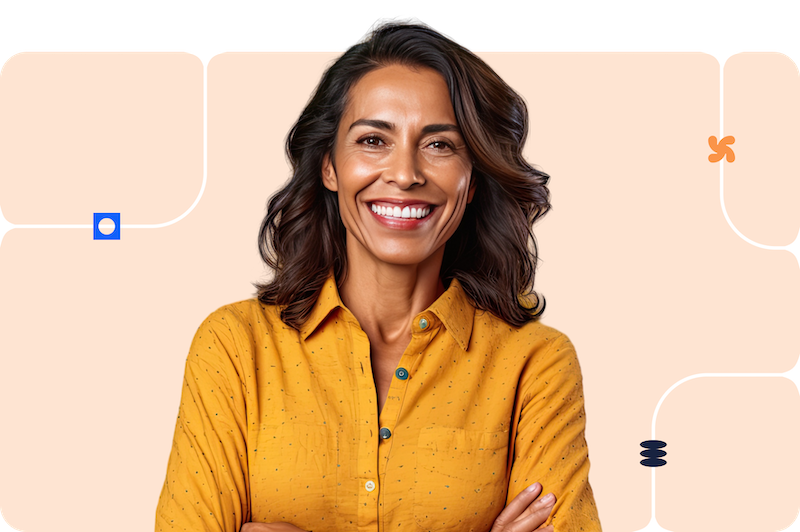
247	316
230	333
544	355
549	346
551	352
533	338
553	369
548	335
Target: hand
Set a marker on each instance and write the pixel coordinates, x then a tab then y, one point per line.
526	512
270	527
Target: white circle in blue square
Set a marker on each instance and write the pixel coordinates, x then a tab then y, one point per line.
114	217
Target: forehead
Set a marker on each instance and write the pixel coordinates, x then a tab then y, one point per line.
395	91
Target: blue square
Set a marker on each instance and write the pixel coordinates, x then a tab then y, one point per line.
114	217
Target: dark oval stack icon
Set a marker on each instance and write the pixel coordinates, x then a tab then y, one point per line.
653	453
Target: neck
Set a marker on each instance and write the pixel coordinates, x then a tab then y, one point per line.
384	297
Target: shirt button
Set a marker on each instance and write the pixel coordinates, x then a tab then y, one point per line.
401	374
385	433
370	486
423	323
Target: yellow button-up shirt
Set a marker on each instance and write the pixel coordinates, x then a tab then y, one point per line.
279	425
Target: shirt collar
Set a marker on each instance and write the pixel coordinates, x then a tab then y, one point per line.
327	302
456	312
453	308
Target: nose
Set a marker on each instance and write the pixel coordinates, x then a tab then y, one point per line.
403	168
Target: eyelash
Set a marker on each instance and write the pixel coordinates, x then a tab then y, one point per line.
447	144
364	140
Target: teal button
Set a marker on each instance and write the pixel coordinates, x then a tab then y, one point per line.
385	433
401	374
423	323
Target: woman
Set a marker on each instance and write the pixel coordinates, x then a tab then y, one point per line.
392	375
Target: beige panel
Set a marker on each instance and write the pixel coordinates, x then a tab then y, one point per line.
639	268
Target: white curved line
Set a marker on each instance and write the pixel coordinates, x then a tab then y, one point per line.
6	226
702	375
722	170
205	165
791	374
653	525
728	218
722	57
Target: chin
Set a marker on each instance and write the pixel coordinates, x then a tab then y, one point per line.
402	260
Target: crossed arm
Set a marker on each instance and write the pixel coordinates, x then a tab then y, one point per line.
526	513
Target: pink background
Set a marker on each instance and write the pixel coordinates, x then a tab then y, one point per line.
640	267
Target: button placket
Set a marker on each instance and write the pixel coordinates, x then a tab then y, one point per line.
367	415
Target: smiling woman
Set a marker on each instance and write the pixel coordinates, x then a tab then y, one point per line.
391	376
399	148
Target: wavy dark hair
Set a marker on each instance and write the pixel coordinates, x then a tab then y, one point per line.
493	252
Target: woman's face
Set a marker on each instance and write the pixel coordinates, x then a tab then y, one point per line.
400	166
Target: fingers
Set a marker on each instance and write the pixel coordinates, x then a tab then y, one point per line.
525	513
536	514
516	507
545	502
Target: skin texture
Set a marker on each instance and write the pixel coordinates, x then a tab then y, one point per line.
393	272
371	162
398	141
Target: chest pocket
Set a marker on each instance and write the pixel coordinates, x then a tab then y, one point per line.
460	479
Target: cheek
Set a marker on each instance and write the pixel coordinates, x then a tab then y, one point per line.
460	194
355	174
347	208
459	174
459	189
348	203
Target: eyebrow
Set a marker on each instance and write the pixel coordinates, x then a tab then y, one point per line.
382	124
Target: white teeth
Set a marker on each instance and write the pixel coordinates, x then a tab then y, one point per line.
405	212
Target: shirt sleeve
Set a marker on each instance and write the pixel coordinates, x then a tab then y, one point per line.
207	485
549	443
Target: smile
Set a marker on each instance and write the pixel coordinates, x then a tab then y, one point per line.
397	212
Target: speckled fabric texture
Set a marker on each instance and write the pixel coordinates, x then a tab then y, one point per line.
279	425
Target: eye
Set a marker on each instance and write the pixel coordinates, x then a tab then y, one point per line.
440	145
371	140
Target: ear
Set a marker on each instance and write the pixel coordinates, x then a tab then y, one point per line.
329	174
